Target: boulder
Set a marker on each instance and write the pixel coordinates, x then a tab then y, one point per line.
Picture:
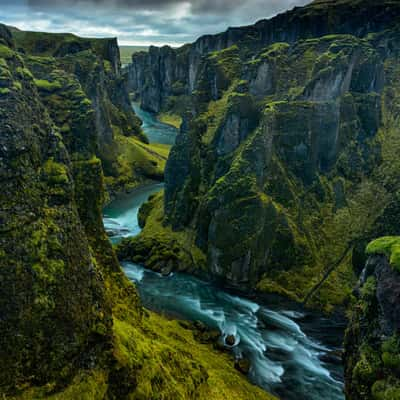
230	340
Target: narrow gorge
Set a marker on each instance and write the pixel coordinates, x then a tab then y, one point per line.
216	220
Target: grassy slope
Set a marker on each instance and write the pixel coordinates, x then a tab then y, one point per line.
170	119
170	341
136	163
172	366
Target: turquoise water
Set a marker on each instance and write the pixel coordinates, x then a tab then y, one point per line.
156	131
292	352
120	217
285	360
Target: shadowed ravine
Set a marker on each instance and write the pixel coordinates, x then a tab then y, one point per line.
288	357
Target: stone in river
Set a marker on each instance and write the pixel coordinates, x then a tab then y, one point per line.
230	340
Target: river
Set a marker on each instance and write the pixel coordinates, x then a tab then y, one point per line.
155	130
292	351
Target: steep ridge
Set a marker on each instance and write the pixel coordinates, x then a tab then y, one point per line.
163	77
285	166
55	312
71	324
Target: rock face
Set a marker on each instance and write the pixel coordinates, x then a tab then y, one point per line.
277	172
55	315
162	74
372	343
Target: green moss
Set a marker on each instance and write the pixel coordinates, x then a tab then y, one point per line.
386	390
86	102
57	173
158	246
5	73
24	73
6	52
368	290
17	86
213	117
388	246
170	119
227	64
47	86
107	66
170	364
49	272
275	50
391	354
86	385
4	91
135	162
367	370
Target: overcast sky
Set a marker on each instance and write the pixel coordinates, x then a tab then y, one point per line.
139	22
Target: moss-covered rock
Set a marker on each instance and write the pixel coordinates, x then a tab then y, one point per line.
159	246
388	246
164	77
53	299
372	350
80	82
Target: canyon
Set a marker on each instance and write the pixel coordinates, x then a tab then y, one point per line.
274	196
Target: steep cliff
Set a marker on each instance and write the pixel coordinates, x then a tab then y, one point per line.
85	75
286	162
163	77
71	324
372	343
55	315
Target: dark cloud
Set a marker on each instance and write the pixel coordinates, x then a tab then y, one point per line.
197	6
126	4
140	21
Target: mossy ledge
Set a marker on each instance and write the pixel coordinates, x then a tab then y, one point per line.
388	246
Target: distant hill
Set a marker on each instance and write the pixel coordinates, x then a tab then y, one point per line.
127	51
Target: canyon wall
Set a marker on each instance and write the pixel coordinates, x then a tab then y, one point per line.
162	76
285	165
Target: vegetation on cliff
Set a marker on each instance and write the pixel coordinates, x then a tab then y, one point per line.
388	246
372	343
286	167
84	76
